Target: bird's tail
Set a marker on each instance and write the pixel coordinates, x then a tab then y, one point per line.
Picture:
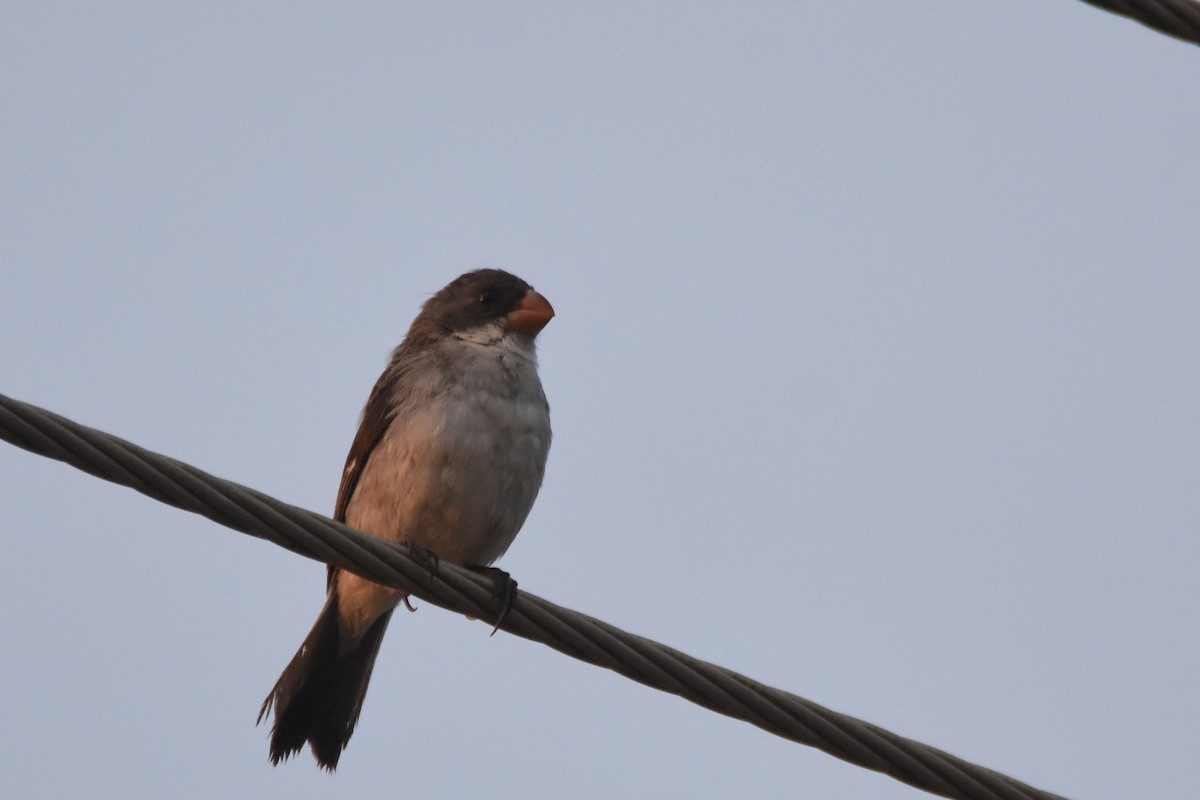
318	697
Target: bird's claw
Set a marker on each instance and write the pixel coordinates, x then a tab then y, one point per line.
423	556
504	589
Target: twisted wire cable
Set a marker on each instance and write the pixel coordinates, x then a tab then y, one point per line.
450	587
1178	18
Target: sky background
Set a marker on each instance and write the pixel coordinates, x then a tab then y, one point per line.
874	377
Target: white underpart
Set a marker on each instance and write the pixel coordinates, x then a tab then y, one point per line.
461	464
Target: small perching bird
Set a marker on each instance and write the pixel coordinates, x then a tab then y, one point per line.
449	457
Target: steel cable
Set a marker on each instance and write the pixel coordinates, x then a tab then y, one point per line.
574	634
1178	18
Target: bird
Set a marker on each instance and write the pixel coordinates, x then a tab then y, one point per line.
449	456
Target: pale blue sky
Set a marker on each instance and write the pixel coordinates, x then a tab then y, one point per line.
874	377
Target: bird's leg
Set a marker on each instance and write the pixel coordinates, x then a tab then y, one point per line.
504	589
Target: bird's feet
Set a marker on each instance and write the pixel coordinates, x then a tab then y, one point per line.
424	557
504	589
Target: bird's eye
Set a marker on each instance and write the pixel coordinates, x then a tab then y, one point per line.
487	297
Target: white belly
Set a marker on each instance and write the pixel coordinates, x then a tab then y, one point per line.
458	477
456	471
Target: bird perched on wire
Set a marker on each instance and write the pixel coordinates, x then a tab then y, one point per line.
449	457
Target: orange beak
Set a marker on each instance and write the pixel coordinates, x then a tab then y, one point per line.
531	316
